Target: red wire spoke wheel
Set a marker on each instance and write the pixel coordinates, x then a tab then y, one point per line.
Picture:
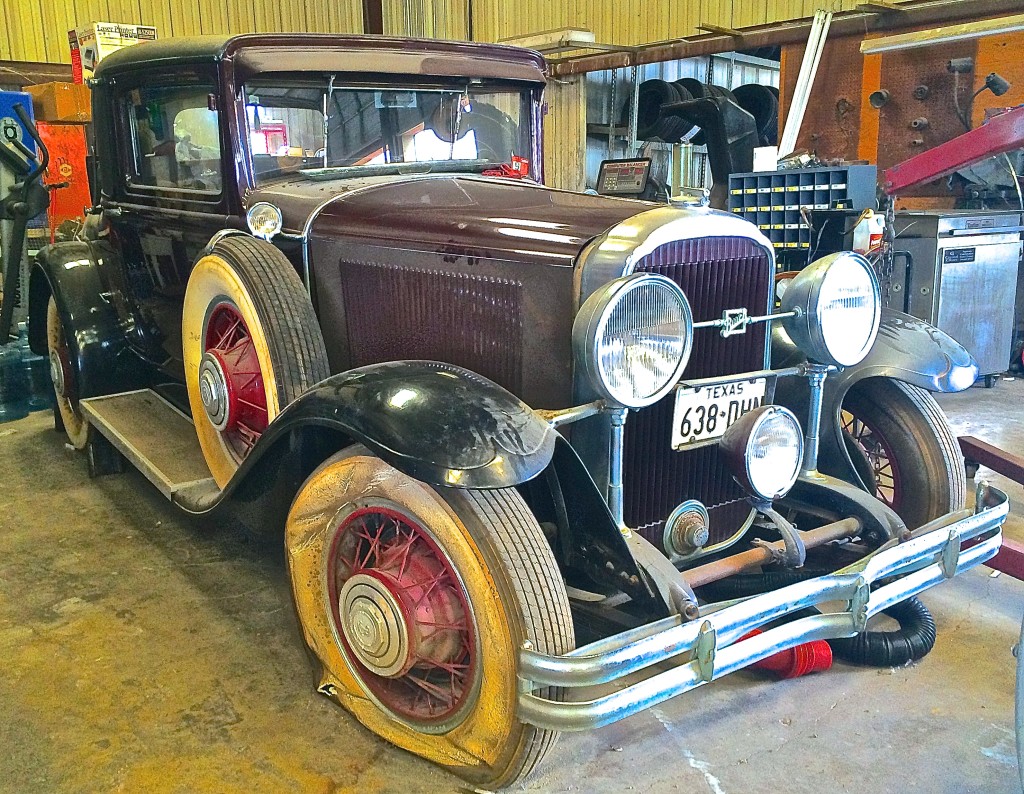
251	345
402	614
880	457
904	448
231	381
416	602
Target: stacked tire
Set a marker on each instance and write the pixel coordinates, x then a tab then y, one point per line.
762	102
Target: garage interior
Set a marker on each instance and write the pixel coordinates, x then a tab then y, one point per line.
150	648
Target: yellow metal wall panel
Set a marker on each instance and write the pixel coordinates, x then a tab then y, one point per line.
213	17
437	19
565	147
629	22
156	13
37	30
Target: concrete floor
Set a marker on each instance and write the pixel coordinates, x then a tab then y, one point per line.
143	652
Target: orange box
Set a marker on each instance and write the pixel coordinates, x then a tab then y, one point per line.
67	147
61	102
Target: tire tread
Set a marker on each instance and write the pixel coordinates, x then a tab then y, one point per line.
513	535
296	345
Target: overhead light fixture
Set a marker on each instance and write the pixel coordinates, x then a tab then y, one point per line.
966	31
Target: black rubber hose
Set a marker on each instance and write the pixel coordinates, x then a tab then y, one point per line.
911	641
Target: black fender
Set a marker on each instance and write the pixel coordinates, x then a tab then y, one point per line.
441	424
102	360
450	428
906	349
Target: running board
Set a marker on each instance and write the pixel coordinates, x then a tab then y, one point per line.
156	438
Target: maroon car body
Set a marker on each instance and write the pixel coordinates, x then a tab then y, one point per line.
375	208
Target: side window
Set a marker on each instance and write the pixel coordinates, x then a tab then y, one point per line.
175	139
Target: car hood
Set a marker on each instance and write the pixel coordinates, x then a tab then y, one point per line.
490	217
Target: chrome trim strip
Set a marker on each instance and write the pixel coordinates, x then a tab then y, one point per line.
616	252
714	643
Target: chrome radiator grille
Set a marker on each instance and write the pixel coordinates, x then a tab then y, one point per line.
716	273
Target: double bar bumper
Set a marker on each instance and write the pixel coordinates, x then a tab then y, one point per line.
712	646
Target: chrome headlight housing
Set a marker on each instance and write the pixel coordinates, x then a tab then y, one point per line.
838	307
765	449
632	339
264	220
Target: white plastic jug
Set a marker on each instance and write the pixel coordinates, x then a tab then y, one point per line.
867	234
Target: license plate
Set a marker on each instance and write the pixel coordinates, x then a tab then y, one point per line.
703	413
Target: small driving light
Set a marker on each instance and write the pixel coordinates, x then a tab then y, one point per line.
632	338
264	220
838	308
764	449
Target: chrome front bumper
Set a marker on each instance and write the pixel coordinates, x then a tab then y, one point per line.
712	646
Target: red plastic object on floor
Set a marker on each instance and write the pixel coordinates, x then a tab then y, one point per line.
811	657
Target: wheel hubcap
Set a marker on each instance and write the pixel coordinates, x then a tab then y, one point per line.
374	625
402	615
231	381
57	374
214	391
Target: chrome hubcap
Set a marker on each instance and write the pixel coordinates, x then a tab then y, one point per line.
57	374
213	391
374	625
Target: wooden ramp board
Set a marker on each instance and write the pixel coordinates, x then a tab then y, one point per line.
156	437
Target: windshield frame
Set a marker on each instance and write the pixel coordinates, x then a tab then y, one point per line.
529	121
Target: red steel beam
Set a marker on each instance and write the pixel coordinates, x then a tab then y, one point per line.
1002	133
999	460
1010	559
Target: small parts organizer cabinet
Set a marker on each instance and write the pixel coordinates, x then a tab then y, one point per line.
772	200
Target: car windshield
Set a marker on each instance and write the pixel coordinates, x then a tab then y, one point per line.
327	129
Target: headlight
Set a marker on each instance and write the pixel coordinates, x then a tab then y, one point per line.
632	338
264	220
838	305
764	449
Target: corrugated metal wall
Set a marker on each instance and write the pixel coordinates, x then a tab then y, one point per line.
434	19
635	21
36	30
565	133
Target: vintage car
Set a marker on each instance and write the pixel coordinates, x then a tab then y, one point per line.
323	292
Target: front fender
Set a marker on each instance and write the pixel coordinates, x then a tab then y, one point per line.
441	424
102	359
906	349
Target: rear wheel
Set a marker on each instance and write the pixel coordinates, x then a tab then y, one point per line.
904	449
67	416
251	345
416	603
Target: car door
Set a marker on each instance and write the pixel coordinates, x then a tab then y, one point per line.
169	201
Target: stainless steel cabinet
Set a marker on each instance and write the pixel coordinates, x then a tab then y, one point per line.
958	271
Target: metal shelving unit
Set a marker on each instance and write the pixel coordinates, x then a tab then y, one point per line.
772	199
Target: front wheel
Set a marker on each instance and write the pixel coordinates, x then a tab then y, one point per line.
416	602
904	449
